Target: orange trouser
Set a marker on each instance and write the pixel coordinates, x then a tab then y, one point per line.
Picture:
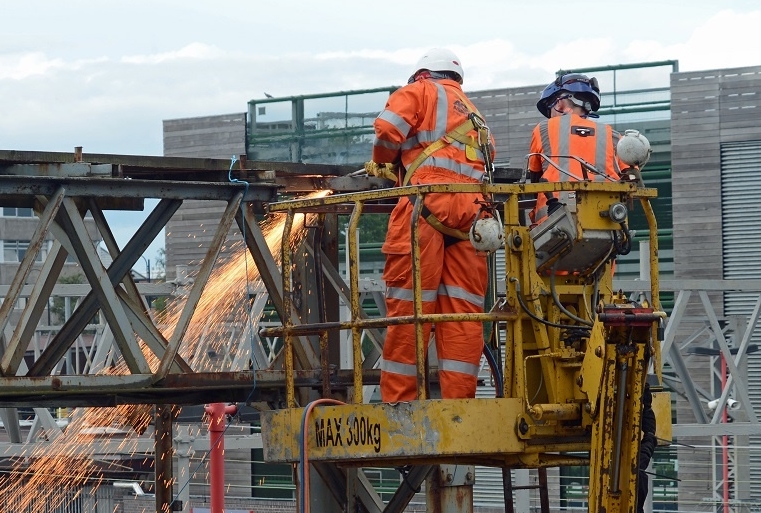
453	280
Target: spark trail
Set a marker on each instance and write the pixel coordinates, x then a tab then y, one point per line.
57	471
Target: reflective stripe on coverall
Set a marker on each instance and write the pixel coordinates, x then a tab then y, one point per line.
453	275
574	135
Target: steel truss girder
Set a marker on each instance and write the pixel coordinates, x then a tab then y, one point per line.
62	193
103	289
200	281
690	293
20	187
115	273
114	292
15	352
178	388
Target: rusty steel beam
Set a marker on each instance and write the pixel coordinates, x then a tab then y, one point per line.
155	167
181	389
311	183
22	189
164	476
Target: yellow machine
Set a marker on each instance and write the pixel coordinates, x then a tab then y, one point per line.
576	354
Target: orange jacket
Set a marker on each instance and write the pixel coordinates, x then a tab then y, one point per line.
453	276
572	135
418	115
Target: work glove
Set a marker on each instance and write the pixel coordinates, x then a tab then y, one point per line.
647	397
648	417
385	171
552	205
648	421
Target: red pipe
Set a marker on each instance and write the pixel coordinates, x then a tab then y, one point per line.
217	424
724	440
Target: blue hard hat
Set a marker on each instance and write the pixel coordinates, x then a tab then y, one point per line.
581	87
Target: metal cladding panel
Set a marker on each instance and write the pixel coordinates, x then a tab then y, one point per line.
404	432
740	168
741	241
488	489
207	137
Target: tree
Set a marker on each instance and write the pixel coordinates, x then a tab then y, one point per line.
372	227
161	264
58	304
159	304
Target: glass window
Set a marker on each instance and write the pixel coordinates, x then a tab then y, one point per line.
9	251
17	212
14	251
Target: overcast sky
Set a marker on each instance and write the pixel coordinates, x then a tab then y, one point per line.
104	74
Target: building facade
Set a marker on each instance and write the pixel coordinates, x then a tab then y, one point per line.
716	164
17	226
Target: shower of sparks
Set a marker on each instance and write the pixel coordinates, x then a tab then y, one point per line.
56	472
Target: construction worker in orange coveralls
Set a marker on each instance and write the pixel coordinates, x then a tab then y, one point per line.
569	104
429	131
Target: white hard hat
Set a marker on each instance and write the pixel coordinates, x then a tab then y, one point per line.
440	59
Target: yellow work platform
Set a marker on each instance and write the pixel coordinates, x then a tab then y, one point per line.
473	431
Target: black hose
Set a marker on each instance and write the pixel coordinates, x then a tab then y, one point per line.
539	319
623	247
496	369
556	299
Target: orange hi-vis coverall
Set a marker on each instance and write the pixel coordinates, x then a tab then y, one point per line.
453	276
571	134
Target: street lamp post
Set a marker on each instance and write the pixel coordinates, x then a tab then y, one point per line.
148	299
147	268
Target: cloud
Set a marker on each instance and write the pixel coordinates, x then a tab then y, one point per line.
109	88
61	99
726	40
20	66
115	103
193	51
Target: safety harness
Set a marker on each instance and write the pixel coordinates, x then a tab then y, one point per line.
451	235
459	134
472	145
